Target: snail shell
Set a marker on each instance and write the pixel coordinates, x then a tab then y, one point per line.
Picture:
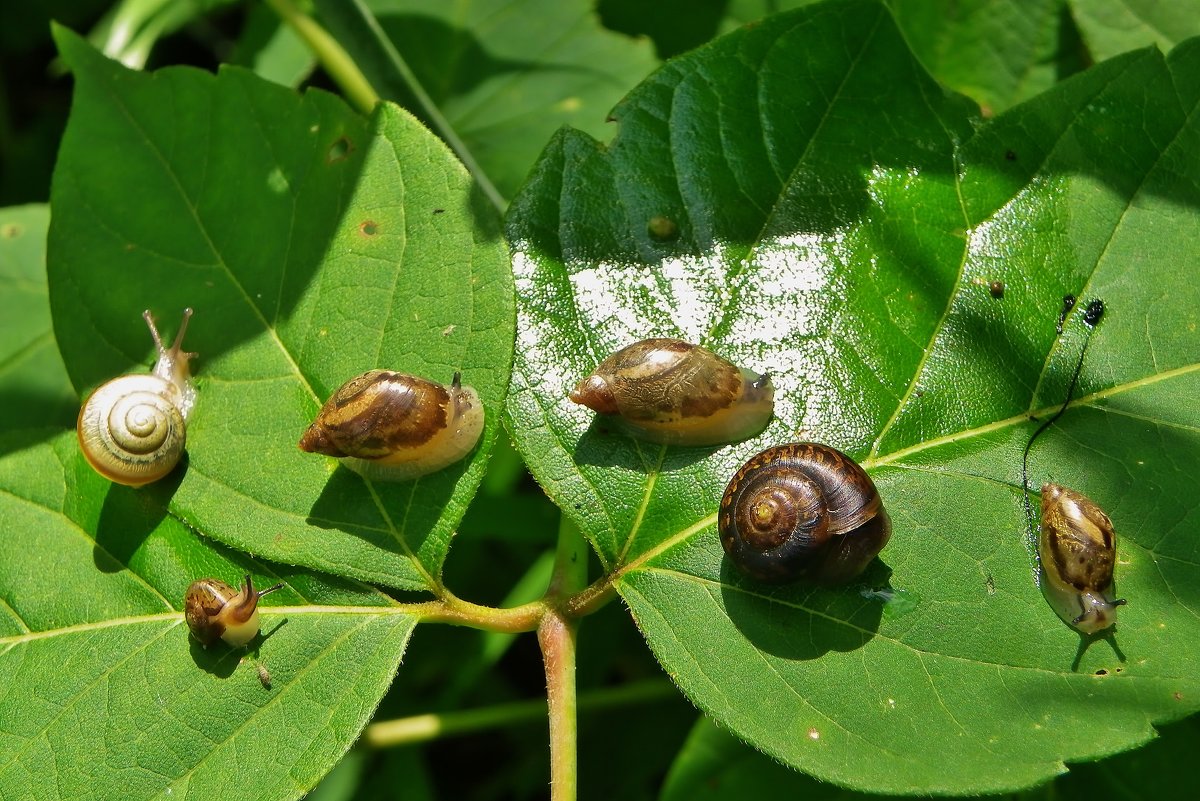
670	391
1077	550
395	427
215	611
132	429
802	510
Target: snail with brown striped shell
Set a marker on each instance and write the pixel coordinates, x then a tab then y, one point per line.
802	510
395	427
216	611
1076	544
670	391
1077	550
132	429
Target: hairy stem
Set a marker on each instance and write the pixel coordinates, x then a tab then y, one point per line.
556	636
333	57
452	609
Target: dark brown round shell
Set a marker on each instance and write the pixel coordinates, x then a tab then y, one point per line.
802	510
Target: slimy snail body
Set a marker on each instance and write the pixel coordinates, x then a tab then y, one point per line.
215	611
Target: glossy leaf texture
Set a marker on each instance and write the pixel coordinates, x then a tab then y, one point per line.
105	694
313	245
836	218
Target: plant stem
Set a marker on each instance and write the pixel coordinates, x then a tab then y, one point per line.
591	598
454	610
439	123
422	728
570	562
333	57
556	636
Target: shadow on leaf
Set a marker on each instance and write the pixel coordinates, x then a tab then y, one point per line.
798	621
130	515
407	508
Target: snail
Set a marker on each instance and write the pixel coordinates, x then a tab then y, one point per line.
670	391
132	428
802	510
215	611
1077	549
1077	545
395	427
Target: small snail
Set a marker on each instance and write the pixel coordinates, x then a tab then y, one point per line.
802	510
132	429
1077	546
670	391
395	427
215	611
1077	550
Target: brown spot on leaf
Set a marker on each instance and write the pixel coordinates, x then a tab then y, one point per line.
368	228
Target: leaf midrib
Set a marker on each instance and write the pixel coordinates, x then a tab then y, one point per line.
176	618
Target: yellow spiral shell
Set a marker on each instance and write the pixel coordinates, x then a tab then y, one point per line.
131	429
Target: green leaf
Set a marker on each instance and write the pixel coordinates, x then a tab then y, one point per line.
996	53
1111	27
839	218
36	398
117	701
712	765
505	74
313	246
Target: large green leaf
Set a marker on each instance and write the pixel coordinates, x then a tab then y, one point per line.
105	695
313	245
839	217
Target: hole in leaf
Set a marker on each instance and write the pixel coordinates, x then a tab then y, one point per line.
339	150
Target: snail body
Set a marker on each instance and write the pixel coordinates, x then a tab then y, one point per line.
670	391
132	429
802	510
1077	549
395	427
216	611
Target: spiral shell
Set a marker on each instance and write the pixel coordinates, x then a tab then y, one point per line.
802	510
395	427
215	611
132	429
670	391
1077	549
